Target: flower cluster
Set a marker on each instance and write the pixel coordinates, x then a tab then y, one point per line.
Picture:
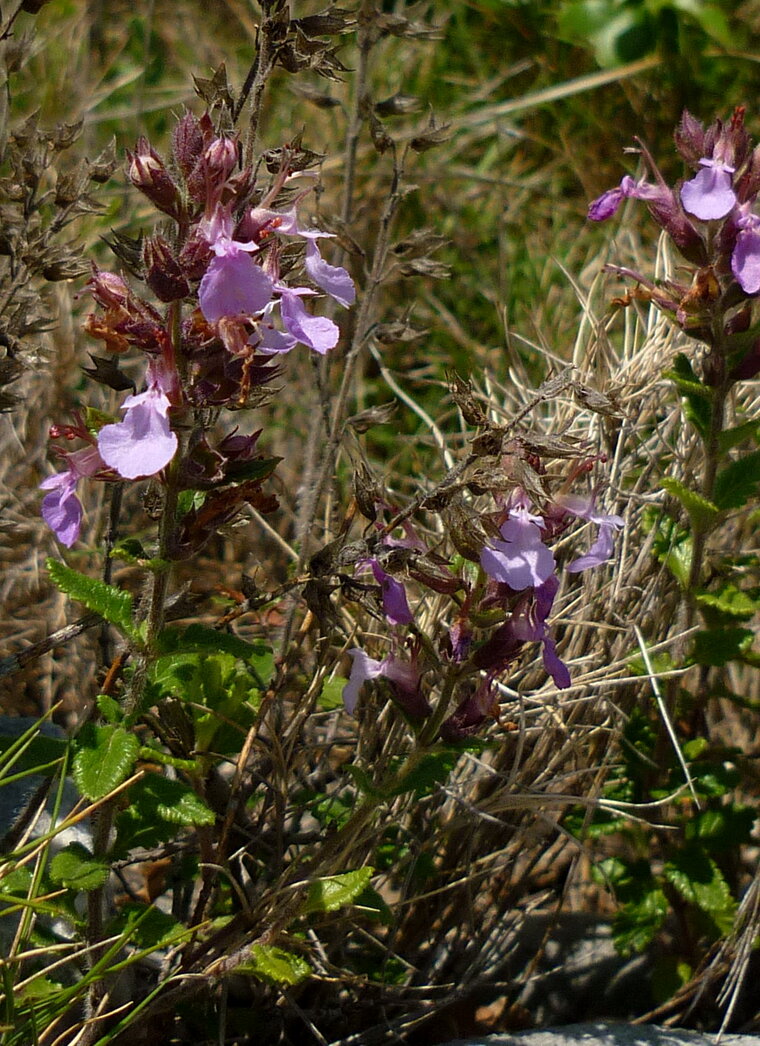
230	298
711	219
515	590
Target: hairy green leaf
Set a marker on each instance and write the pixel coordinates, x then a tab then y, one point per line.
699	881
331	694
432	770
103	757
730	601
327	895
114	605
695	396
730	438
718	646
76	868
701	511
275	965
737	483
636	923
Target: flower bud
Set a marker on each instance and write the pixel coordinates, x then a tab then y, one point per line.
108	289
187	143
220	159
162	271
148	173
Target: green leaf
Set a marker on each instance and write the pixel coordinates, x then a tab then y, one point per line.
711	20
672	544
718	646
130	550
331	694
247	470
696	398
327	895
730	601
661	662
370	902
114	605
156	755
730	438
736	484
275	965
147	926
175	801
76	868
699	881
109	708
432	770
724	829
363	781
198	639
157	807
636	923
103	757
701	511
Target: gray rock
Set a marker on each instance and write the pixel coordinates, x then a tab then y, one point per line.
601	1033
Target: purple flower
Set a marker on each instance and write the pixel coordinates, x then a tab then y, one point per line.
606	205
709	194
332	279
143	443
521	560
393	594
268	338
601	550
317	332
233	283
403	676
470	713
531	625
745	260
61	508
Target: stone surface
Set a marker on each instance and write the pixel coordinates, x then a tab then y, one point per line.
601	1033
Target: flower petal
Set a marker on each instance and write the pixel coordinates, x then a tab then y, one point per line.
363	668
522	560
599	552
61	508
143	443
233	284
317	332
745	260
332	279
709	194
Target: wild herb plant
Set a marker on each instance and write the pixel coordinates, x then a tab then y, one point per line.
709	219
269	846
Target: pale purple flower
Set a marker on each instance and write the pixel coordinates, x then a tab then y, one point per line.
332	279
521	560
268	338
745	260
143	443
601	550
709	194
363	669
233	284
606	205
61	508
317	332
529	624
404	677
